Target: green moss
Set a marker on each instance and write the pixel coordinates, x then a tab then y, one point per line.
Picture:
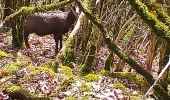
13	67
53	95
103	72
86	97
162	15
3	54
48	71
71	98
33	70
66	70
33	9
86	68
51	64
14	88
129	76
66	78
66	83
109	62
160	28
85	87
125	56
67	56
120	86
24	59
137	98
91	77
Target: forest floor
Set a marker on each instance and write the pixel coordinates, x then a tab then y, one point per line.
41	48
28	72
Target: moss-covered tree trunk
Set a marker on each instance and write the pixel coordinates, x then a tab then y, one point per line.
87	66
159	27
165	46
17	26
89	51
108	65
158	89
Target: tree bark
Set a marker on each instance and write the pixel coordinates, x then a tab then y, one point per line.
160	28
66	54
158	89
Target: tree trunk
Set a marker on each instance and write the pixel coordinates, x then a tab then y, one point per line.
87	66
158	89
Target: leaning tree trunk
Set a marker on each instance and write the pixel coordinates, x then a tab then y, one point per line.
158	89
165	46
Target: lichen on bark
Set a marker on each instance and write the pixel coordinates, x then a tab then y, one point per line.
160	28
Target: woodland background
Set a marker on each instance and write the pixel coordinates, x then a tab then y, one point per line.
120	50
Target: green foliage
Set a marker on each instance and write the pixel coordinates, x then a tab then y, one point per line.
51	64
66	70
66	83
162	15
129	76
14	88
86	97
13	67
48	71
85	87
3	54
91	77
29	95
120	86
70	98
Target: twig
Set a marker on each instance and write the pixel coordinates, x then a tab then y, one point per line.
159	76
